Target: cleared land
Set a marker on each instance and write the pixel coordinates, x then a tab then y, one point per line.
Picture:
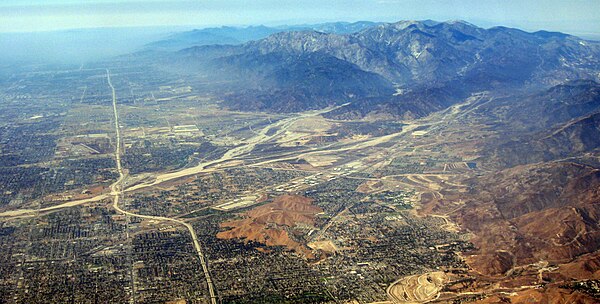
418	288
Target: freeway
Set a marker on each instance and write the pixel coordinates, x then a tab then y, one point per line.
259	137
117	192
234	153
31	212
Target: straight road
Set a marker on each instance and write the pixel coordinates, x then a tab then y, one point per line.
117	192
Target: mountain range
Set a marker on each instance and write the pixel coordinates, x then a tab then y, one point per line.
228	35
406	69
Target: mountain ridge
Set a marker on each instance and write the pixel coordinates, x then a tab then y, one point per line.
426	57
230	35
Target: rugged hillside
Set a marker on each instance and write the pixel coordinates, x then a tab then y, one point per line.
540	111
418	102
547	294
530	213
569	140
281	83
563	121
542	200
433	64
524	189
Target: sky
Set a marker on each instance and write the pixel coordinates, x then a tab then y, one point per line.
570	16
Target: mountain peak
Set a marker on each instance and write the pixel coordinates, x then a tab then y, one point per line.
400	25
458	21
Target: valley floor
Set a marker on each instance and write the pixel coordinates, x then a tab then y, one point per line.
142	194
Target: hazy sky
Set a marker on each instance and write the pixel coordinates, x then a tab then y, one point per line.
572	16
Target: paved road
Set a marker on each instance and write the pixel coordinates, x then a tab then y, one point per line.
117	191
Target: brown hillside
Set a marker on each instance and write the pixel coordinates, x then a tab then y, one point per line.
530	213
549	295
269	224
